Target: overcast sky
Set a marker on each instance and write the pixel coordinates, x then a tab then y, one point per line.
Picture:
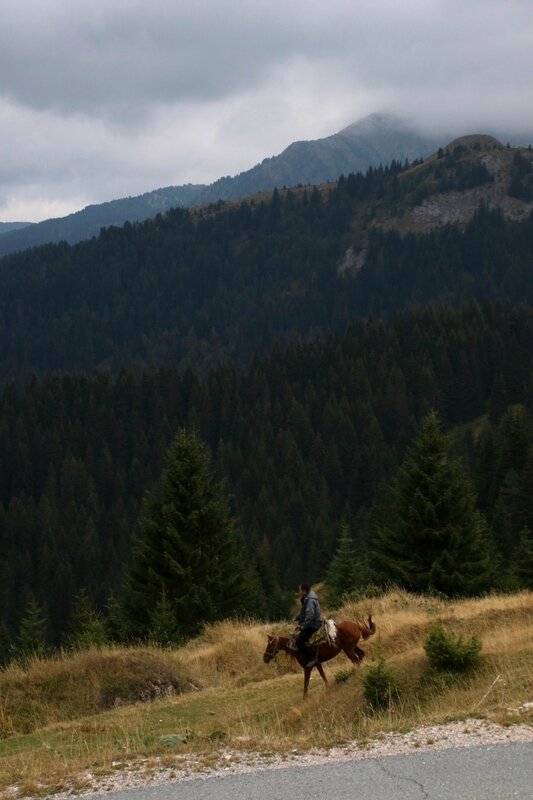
102	99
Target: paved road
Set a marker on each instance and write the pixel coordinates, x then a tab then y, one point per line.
497	772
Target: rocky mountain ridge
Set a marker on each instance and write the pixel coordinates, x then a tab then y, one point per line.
376	139
459	206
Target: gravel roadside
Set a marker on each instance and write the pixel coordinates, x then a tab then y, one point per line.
230	761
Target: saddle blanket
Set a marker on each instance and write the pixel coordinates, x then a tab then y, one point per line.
326	633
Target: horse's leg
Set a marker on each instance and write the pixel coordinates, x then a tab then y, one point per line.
322	673
307	675
354	653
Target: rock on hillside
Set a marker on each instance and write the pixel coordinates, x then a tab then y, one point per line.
458	207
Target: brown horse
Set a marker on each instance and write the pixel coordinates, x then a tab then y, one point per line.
348	635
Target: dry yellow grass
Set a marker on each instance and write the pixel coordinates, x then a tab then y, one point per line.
63	719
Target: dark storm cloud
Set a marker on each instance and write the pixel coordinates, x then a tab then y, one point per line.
89	57
111	97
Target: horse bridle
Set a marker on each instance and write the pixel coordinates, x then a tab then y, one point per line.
274	639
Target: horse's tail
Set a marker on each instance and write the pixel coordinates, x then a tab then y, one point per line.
368	630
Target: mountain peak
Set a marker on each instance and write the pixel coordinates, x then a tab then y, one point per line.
376	121
473	139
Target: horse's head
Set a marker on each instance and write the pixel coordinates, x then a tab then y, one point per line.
271	649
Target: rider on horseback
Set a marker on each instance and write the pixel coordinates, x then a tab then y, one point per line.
309	621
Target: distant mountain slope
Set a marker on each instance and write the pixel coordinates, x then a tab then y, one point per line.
214	283
377	139
374	140
5	227
87	223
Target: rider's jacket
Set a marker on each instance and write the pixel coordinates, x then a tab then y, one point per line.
309	616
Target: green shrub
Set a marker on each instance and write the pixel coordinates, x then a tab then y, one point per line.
343	675
447	652
380	688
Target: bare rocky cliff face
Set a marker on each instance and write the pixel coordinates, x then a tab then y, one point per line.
452	207
458	207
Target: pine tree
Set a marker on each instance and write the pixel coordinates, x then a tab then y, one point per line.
31	639
188	550
5	644
164	628
435	539
526	492
341	576
115	624
524	559
86	626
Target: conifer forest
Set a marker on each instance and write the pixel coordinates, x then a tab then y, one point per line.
200	411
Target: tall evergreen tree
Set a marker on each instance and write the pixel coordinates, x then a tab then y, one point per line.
523	565
5	644
86	625
31	639
341	576
115	624
164	627
188	552
436	539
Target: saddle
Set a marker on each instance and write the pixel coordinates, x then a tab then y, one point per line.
326	634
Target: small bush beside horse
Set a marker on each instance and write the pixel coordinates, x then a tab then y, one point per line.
347	638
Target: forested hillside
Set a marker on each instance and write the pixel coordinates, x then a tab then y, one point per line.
227	282
305	339
304	437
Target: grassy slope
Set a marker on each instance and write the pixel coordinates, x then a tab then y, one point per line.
60	718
